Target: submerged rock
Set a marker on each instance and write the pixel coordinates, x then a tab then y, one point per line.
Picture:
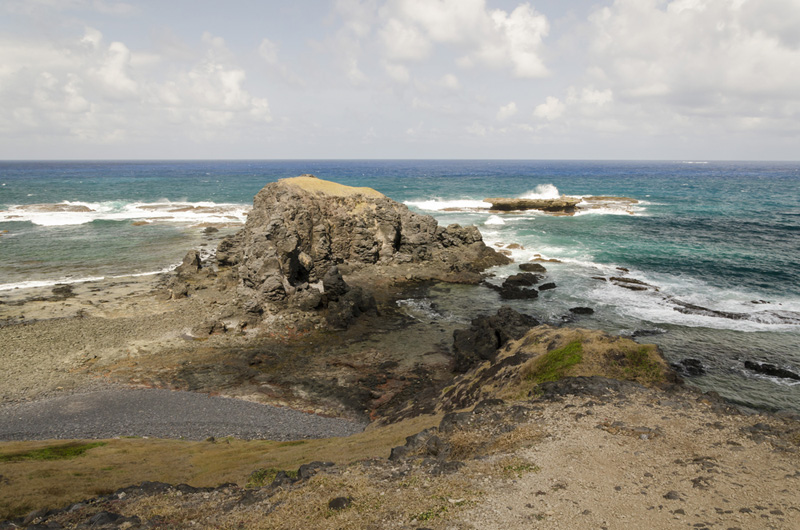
689	367
771	370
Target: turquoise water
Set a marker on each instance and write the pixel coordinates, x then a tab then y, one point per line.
724	236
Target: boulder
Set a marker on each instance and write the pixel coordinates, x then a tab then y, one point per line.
532	267
486	335
189	265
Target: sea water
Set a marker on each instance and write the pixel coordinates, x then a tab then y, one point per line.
720	236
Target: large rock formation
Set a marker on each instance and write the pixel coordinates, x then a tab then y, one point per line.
301	228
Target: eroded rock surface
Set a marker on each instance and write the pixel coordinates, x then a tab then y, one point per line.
301	228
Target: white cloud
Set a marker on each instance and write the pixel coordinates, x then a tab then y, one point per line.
705	55
494	38
88	91
398	72
507	111
450	82
550	110
268	51
404	42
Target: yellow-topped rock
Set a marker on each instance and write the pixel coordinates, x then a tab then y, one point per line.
326	187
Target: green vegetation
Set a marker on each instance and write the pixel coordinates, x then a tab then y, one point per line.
641	367
265	476
53	452
554	364
520	469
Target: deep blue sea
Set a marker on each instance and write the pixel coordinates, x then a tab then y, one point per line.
722	236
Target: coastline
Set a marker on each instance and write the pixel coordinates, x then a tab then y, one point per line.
187	330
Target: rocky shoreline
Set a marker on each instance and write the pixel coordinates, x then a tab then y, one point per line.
303	308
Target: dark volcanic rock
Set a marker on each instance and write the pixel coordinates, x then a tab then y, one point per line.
532	267
562	204
486	334
547	286
582	311
771	370
690	367
303	227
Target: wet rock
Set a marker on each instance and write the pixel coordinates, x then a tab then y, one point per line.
62	292
581	311
689	367
562	204
532	267
486	334
523	279
771	370
547	286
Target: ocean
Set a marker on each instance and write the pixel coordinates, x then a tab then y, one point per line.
717	243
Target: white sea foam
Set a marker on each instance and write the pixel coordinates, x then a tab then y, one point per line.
437	205
50	283
76	213
542	191
494	220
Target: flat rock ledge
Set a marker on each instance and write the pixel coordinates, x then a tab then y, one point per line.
562	204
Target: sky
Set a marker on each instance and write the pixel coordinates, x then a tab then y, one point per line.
400	79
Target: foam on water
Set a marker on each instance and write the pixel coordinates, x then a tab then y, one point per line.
494	220
61	281
542	191
437	204
76	213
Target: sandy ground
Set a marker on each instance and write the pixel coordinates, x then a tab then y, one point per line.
50	346
647	461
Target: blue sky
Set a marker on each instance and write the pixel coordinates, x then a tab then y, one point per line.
605	79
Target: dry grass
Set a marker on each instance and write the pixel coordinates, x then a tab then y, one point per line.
32	484
465	444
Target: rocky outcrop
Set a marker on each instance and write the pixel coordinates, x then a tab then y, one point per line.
562	204
301	228
544	354
486	335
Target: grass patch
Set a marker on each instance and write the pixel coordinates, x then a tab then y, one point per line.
641	367
553	365
53	452
26	484
264	476
516	467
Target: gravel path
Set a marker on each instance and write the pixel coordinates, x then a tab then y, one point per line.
160	413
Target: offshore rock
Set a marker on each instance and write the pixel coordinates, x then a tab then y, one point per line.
300	229
562	204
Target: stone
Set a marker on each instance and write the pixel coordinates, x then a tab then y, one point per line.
562	204
771	370
340	503
532	267
547	286
581	310
690	367
486	335
189	265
